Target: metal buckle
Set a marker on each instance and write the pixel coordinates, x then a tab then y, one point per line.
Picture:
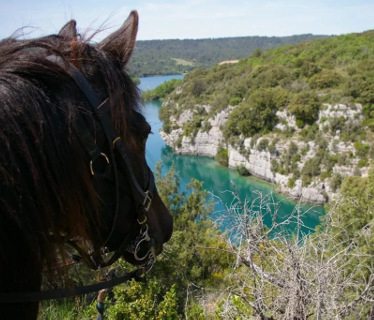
147	201
91	162
116	140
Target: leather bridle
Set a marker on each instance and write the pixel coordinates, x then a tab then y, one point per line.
142	245
126	180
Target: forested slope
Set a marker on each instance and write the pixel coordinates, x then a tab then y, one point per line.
298	115
159	57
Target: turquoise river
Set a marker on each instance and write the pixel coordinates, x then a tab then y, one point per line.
218	180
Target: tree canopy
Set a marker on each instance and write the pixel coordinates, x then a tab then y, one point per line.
297	78
163	57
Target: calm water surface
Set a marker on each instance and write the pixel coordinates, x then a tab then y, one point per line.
218	180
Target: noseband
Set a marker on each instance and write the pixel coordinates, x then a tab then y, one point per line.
142	247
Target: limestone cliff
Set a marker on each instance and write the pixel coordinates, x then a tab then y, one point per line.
267	156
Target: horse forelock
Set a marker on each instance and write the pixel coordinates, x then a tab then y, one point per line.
46	187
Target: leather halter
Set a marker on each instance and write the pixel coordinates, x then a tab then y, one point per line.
142	199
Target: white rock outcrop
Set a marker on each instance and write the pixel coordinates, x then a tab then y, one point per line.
204	143
259	162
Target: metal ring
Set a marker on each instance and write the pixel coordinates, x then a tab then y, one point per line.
115	140
144	237
151	262
91	162
137	248
143	221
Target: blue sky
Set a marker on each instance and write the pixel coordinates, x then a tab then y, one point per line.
191	19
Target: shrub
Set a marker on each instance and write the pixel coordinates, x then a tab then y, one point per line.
326	174
311	167
207	126
137	301
235	101
166	127
198	87
222	156
305	107
362	163
304	150
255	115
191	128
242	170
362	149
306	180
291	182
336	181
309	132
300	123
292	148
325	79
263	144
162	90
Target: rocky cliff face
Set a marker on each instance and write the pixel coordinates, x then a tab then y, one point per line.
205	143
262	161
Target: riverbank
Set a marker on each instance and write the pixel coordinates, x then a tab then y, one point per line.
277	157
218	180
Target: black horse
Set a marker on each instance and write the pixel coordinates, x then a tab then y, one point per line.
72	161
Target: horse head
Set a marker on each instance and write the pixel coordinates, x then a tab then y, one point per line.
131	219
72	165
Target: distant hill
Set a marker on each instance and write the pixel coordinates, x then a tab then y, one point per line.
160	57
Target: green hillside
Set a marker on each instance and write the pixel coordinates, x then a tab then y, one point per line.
326	86
298	78
339	69
159	57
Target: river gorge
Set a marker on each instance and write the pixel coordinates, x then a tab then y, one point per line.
219	181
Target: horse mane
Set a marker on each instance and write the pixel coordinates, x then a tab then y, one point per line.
45	184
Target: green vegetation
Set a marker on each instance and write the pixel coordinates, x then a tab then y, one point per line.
137	301
186	270
222	156
262	95
297	78
263	271
201	275
163	57
242	170
257	114
161	91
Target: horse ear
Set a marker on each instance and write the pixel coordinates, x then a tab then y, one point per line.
69	31
122	42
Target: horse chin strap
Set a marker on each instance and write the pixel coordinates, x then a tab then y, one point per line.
142	247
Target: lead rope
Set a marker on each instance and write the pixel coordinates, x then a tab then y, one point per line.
35	296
